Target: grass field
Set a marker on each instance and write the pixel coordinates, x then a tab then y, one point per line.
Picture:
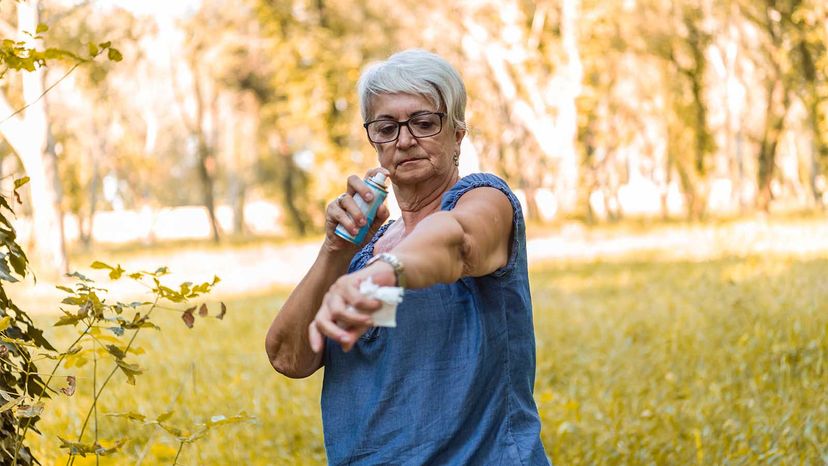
640	361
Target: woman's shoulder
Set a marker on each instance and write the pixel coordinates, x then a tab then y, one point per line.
472	181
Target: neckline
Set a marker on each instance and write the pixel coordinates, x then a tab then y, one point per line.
369	249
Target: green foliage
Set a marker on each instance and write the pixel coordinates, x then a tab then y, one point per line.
21	56
20	381
196	374
107	334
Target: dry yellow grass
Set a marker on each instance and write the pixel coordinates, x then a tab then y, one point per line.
640	361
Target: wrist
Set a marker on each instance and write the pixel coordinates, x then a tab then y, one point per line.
334	259
394	263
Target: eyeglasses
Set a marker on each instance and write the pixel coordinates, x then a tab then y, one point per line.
421	125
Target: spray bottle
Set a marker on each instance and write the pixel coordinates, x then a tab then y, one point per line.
377	185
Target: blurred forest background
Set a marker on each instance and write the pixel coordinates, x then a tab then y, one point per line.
226	120
208	136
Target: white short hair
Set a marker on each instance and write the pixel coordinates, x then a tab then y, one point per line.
416	72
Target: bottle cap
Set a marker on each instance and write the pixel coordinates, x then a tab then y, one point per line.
379	178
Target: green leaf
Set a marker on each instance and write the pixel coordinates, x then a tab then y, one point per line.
74	300
98	265
172	430
41	28
115	351
78	448
79	276
11	404
164	416
114	55
101	451
132	416
223	420
130	370
93	50
105	45
116	273
5	272
68	319
65	288
20	182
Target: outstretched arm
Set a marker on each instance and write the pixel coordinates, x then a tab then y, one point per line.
471	240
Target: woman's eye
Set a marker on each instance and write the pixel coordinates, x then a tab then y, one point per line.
387	128
423	124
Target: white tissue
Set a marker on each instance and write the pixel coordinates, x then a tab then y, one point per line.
390	296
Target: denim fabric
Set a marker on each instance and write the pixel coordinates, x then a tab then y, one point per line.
452	383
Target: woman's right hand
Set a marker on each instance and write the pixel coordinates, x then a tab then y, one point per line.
344	210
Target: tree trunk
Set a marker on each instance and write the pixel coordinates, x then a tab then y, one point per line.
543	105
29	137
567	116
206	157
205	160
776	110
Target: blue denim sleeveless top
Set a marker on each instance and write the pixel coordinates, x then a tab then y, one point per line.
452	383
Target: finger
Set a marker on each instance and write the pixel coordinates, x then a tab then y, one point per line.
315	338
338	215
359	302
355	334
350	206
357	185
382	215
331	330
347	317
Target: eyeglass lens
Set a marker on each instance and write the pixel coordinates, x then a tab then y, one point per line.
420	126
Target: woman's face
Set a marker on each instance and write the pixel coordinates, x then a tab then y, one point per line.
412	160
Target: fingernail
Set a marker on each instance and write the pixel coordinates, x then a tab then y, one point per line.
369	196
354	231
344	339
362	221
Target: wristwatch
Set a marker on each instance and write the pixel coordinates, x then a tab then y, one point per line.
395	263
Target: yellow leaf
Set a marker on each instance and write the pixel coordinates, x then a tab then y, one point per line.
5	323
163	451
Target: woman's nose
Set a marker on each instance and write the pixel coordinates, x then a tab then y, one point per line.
405	139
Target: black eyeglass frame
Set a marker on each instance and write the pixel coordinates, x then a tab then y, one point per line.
400	124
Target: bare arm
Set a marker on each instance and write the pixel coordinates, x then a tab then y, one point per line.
286	343
471	240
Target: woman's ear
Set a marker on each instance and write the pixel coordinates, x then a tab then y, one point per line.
459	134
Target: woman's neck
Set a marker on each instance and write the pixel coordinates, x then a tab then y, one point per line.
419	201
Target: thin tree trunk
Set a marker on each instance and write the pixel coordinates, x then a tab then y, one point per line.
29	137
205	155
776	110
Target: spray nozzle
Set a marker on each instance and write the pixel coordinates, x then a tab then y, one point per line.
379	178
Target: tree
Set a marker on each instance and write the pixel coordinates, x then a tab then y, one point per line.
29	135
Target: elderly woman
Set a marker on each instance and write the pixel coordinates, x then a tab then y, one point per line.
452	383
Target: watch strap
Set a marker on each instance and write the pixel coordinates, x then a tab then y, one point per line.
394	262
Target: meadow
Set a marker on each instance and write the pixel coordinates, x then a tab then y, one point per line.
642	359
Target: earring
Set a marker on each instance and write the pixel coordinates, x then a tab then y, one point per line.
457	159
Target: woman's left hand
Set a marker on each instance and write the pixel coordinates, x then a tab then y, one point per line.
345	313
